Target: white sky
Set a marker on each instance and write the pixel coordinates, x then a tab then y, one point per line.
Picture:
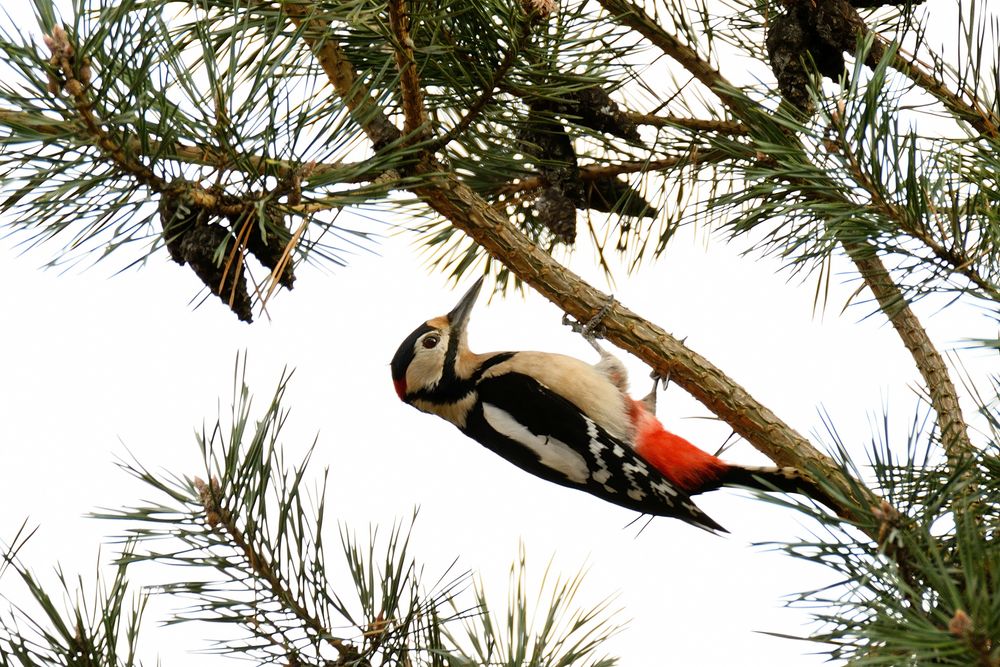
92	363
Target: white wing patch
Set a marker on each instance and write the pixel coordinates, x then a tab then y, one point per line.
552	453
596	447
631	470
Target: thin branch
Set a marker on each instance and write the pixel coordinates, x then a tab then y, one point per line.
593	172
944	398
414	113
356	97
981	119
51	130
635	17
76	85
698	124
509	58
955	258
221	520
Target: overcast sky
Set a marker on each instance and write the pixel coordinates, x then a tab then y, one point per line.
93	363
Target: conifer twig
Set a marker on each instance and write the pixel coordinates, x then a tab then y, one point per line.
220	519
414	113
944	398
75	84
697	124
358	99
593	172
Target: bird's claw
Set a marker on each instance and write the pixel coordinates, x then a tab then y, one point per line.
657	378
592	329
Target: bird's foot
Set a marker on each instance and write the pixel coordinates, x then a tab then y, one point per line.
592	329
649	400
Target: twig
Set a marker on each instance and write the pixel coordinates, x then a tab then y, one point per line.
593	172
636	18
698	124
944	398
955	258
509	58
219	518
982	120
356	97
76	84
414	113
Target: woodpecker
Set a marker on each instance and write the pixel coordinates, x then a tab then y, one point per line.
562	419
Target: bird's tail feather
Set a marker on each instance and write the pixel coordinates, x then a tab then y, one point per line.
770	478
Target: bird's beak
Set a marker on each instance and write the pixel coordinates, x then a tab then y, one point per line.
459	315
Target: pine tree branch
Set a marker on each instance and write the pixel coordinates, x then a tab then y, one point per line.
220	519
635	17
414	113
970	111
76	83
491	229
924	354
363	108
981	119
654	346
593	172
956	259
509	58
944	398
698	124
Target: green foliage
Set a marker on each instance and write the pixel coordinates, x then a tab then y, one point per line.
924	592
241	111
868	171
557	639
97	631
248	548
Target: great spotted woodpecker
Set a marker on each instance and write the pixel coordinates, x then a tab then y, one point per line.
562	419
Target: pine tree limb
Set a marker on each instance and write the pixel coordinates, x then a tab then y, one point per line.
654	346
636	18
220	519
414	113
594	172
697	124
956	258
979	118
357	98
76	82
924	354
944	398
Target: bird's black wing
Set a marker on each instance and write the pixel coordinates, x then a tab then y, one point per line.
545	434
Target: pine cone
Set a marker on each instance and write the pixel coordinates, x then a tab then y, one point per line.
268	251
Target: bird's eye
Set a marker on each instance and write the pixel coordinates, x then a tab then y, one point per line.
431	341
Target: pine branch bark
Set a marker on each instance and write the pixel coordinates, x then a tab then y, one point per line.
494	232
944	397
914	337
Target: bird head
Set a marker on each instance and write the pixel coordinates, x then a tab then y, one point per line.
430	354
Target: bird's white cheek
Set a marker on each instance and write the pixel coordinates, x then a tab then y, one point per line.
424	372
